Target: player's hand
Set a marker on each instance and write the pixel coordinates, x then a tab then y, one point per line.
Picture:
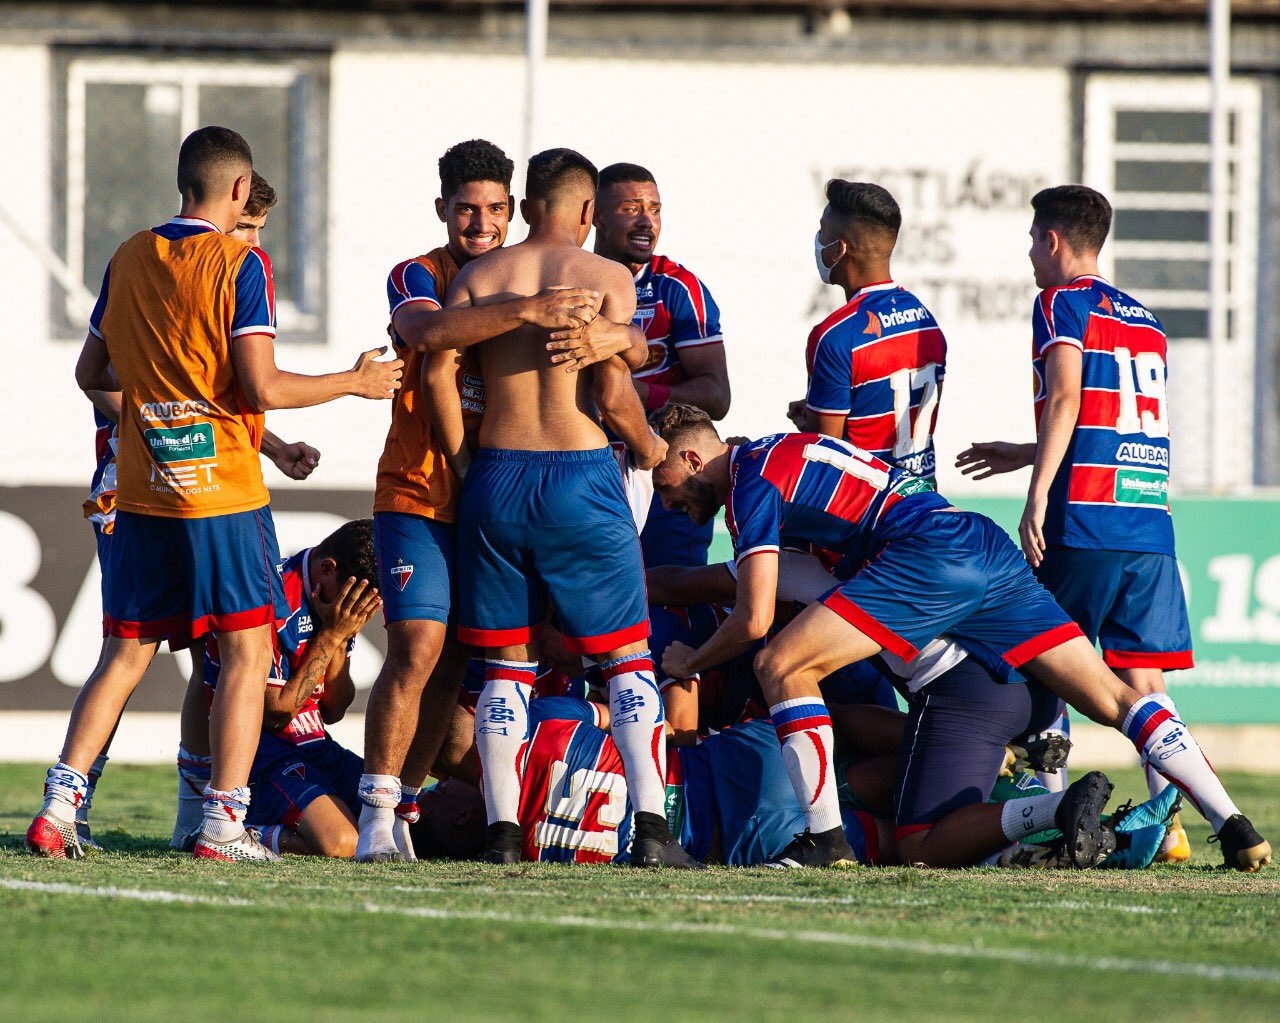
373	379
678	660
350	611
653	457
993	458
561	308
591	343
297	461
1031	529
797	413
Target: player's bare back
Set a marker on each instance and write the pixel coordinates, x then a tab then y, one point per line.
533	405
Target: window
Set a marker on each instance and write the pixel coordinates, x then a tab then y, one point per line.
1146	147
127	116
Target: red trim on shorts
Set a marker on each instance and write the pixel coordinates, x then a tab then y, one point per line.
1034	647
123	628
903	830
1167	661
236	621
864	623
499	637
609	641
292	818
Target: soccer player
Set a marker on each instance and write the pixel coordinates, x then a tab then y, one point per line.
685	358
929	569
544	518
423	462
877	363
304	782
1097	527
184	327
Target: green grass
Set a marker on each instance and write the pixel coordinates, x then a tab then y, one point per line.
317	941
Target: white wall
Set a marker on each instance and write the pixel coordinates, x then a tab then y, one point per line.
740	151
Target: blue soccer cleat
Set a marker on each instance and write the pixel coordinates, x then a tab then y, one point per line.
1140	831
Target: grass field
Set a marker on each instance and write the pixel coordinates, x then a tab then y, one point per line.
145	934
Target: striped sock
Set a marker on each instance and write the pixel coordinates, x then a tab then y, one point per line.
64	790
95	772
224	813
1167	745
638	724
804	729
502	735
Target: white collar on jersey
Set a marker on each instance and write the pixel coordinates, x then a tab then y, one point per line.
881	286
306	573
1090	277
192	222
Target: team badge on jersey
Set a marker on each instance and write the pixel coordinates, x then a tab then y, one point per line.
403	574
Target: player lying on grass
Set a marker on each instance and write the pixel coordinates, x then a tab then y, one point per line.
728	798
913	568
304	782
297	461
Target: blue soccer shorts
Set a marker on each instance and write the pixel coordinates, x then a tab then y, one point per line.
1129	603
415	566
185	578
954	741
543	528
284	788
955	572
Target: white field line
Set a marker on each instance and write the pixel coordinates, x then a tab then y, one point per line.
1026	957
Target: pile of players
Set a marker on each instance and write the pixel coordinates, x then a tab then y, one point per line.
561	657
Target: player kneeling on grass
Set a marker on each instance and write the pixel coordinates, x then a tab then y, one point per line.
304	784
914	568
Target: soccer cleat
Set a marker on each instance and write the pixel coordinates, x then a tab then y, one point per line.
1046	855
503	843
655	846
1079	818
246	847
1047	752
1242	847
1140	830
52	838
1176	847
823	849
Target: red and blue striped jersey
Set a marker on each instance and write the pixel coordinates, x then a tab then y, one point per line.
879	361
100	505
1112	490
573	796
804	491
676	312
292	638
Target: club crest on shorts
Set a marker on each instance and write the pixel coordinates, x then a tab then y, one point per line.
403	574
298	768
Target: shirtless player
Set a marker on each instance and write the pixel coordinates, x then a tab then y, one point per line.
543	518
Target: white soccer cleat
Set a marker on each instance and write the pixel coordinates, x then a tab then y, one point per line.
87	842
246	847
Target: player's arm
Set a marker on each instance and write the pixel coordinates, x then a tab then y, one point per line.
429	326
1062	371
622	412
355	604
93	367
682	586
680	708
267	387
706	386
297	460
747	624
993	457
339	687
827	401
596	341
107	402
444	407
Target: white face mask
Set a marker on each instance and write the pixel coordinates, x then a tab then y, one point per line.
824	271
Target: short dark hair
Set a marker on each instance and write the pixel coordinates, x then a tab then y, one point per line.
864	204
351	547
474	160
210	159
616	173
261	196
1080	214
675	422
551	171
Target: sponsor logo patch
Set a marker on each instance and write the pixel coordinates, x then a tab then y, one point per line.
180	443
1143	454
1142	486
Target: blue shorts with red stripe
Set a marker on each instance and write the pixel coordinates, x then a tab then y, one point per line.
537	528
283	789
415	566
1130	603
955	572
102	544
953	745
185	578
